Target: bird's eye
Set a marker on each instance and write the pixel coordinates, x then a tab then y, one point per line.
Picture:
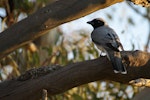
98	22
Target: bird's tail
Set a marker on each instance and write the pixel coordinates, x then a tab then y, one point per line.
116	60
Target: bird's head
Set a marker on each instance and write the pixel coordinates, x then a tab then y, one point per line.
98	22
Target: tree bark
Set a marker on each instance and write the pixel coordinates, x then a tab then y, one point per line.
75	74
54	14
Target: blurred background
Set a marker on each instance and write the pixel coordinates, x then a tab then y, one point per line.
71	42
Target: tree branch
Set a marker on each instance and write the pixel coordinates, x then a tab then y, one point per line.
75	74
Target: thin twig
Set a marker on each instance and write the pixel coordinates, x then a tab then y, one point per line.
44	95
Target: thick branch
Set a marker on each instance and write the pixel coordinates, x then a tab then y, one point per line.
52	15
75	75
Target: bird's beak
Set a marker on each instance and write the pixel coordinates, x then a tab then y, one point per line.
89	22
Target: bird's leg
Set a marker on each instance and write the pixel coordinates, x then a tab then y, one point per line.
101	54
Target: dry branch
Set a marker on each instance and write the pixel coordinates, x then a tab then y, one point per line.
74	75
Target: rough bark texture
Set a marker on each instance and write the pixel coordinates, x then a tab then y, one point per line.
46	18
74	75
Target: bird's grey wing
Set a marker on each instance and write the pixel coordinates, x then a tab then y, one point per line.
106	37
111	46
117	40
114	41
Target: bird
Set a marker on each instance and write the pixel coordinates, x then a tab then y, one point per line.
106	40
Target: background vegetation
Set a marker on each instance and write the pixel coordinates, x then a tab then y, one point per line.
57	48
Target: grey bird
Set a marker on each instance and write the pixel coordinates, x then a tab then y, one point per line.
108	41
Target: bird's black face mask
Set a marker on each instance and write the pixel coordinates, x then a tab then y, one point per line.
96	23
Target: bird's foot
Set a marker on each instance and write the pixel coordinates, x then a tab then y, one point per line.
122	72
102	54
